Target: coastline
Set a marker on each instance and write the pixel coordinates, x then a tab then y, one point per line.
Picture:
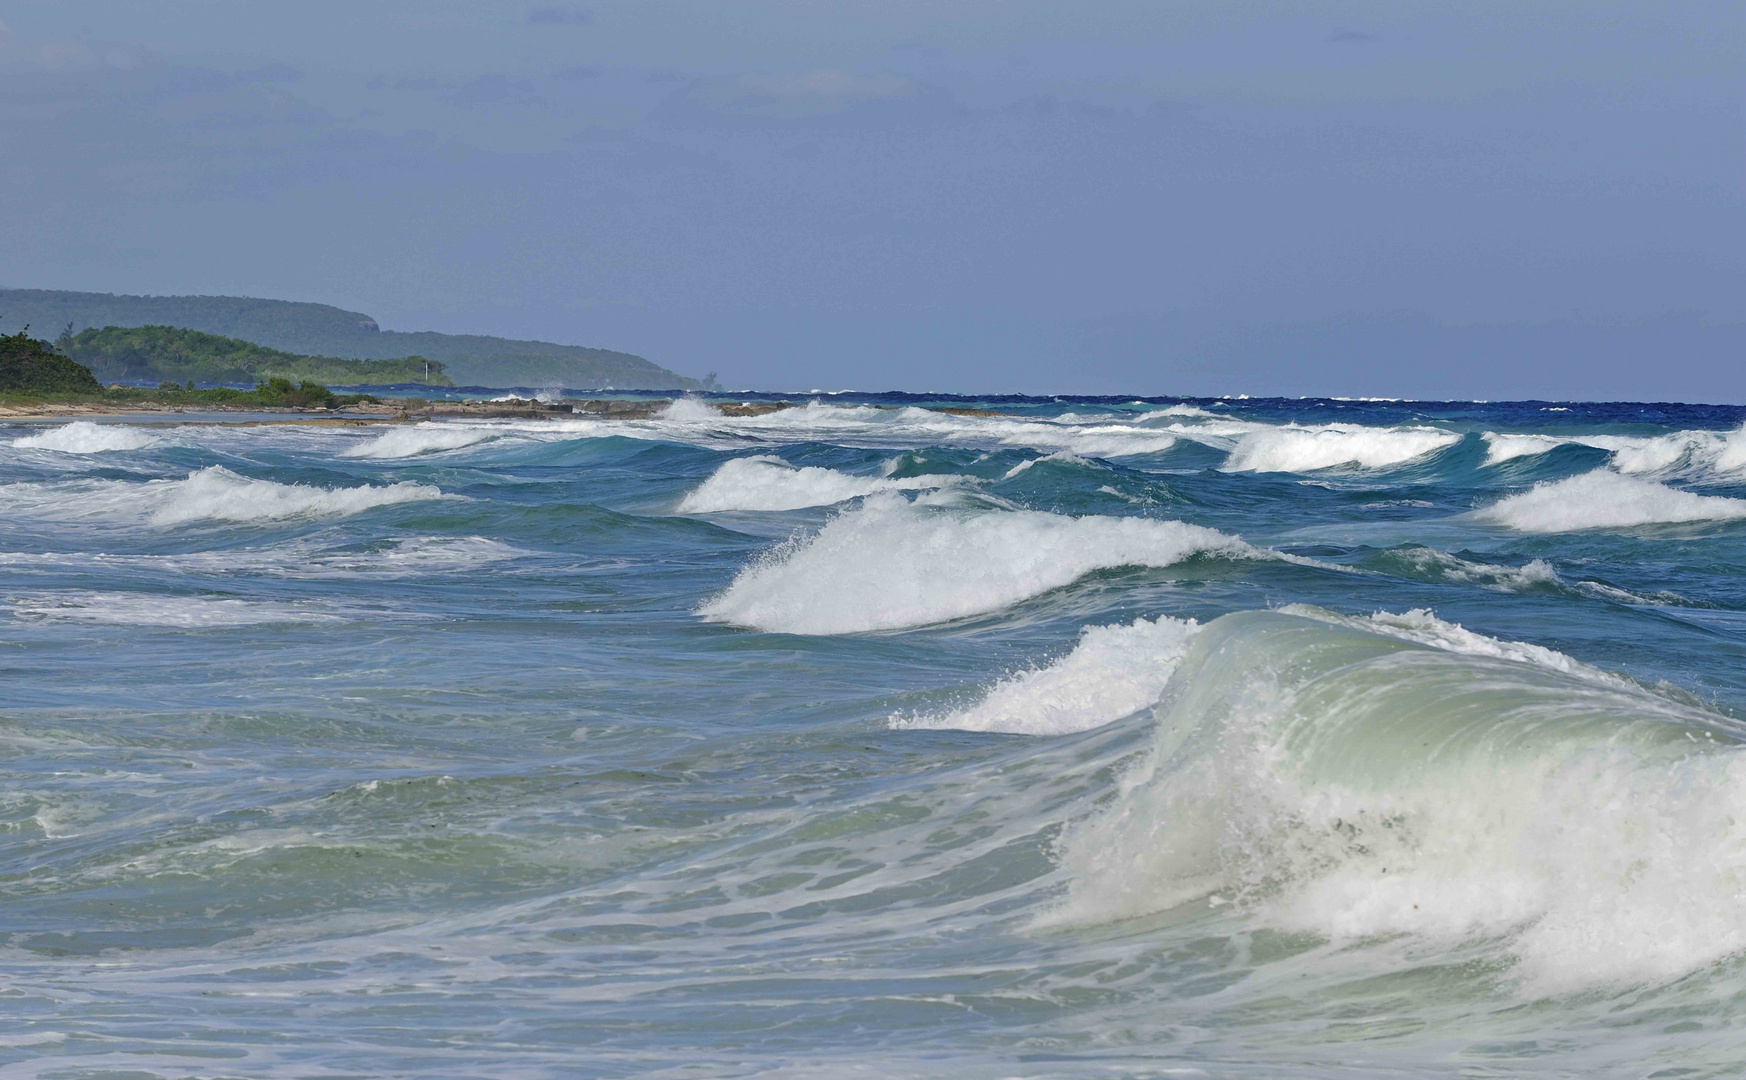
391	410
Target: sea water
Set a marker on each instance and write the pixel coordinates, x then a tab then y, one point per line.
1090	738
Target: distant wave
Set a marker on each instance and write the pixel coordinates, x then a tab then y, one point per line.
1695	454
170	611
769	483
1298	450
400	442
892	564
84	437
1604	499
213	493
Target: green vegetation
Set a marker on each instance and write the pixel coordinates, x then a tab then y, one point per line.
29	366
320	330
273	392
168	353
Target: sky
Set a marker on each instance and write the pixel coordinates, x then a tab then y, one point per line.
1483	200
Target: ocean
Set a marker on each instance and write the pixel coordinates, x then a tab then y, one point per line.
1082	738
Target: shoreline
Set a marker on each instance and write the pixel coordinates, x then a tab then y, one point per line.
392	410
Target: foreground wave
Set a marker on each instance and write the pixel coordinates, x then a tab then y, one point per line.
1359	778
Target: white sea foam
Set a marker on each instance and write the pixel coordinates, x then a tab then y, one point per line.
1294	449
1604	499
1113	672
409	441
768	483
891	564
84	437
149	609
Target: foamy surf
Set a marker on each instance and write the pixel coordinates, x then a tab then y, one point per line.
84	437
892	564
1113	671
769	483
1604	499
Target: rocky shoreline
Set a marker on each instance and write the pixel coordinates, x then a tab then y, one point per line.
403	410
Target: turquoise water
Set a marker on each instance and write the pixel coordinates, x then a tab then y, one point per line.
1246	738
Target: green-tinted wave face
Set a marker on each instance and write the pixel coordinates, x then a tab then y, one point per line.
1365	777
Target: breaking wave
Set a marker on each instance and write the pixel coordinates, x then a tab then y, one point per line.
892	564
1114	671
84	437
1399	775
769	483
400	442
1604	499
213	493
1299	450
1696	454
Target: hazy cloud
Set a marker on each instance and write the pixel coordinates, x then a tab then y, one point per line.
488	90
569	15
1352	37
822	96
578	73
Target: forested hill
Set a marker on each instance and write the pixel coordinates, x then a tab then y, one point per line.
321	330
159	353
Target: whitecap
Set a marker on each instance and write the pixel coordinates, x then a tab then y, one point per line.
84	437
409	441
892	564
1604	499
213	493
1114	671
1295	449
769	483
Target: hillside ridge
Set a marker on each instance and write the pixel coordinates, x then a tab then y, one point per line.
311	329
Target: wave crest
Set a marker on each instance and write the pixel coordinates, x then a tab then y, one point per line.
1114	671
84	437
769	483
1604	499
892	564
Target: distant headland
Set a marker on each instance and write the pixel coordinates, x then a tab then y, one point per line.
320	331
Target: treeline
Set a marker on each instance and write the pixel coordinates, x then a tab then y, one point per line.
303	329
168	353
34	368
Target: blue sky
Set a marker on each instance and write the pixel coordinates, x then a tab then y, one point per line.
1393	199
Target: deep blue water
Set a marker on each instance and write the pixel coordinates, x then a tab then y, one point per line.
1101	737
